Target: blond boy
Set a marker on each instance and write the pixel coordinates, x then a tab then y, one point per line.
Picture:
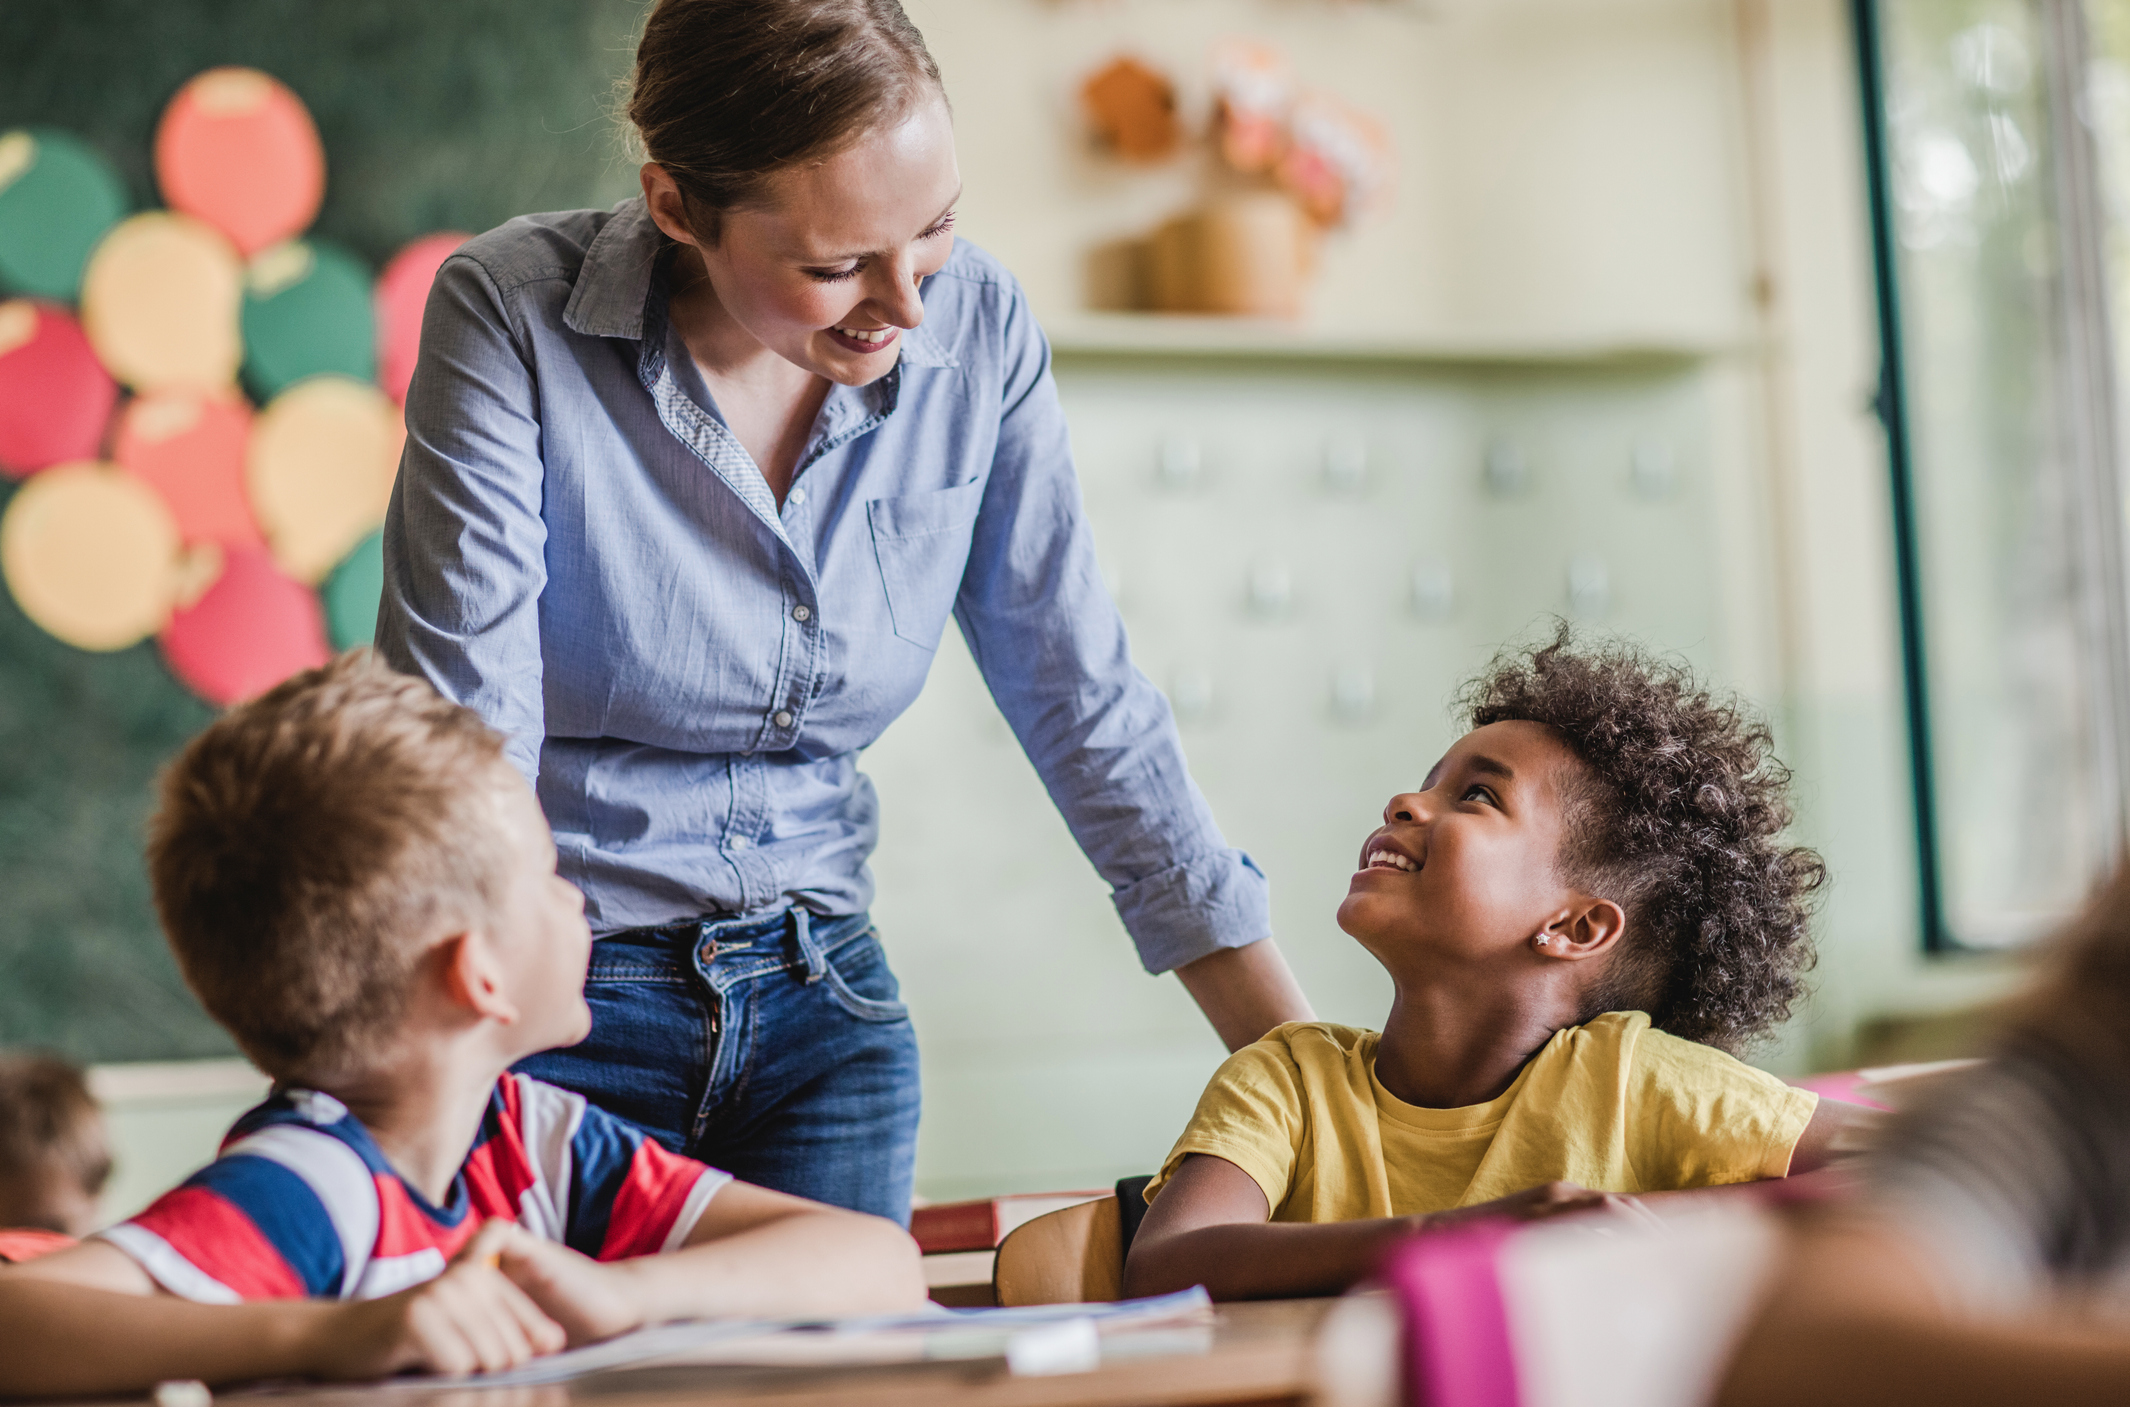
363	892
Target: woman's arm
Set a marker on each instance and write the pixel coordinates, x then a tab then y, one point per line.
1245	991
1052	649
464	540
1211	1226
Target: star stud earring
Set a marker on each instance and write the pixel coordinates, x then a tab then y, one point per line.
1543	940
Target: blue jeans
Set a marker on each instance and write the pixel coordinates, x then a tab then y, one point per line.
775	1048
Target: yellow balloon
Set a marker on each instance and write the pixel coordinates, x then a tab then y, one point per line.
320	466
162	302
92	555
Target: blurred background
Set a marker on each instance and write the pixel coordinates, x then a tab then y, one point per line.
1577	308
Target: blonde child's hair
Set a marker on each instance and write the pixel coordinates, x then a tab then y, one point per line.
311	844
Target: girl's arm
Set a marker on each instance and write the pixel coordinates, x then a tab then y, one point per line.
1211	1226
1821	1143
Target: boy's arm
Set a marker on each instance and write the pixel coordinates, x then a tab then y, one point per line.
753	1253
1211	1226
89	1320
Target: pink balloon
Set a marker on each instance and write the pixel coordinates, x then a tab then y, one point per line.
189	447
55	397
402	293
237	149
252	629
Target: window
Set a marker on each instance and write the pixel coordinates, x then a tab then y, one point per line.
1999	138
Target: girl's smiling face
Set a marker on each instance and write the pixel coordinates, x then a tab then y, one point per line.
1468	867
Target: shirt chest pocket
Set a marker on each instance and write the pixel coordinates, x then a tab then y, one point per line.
921	541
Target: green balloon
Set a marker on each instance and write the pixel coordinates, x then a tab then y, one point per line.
57	197
307	311
352	592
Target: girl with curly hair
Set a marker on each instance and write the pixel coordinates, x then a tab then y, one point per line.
1586	909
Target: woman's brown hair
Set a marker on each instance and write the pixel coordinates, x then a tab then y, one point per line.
729	92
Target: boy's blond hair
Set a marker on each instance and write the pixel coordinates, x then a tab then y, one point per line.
310	845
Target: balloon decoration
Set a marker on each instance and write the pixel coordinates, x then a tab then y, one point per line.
55	397
189	447
351	593
92	555
307	312
160	301
320	469
250	630
238	149
57	197
246	540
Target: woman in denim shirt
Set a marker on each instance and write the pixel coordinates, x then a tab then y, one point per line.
690	489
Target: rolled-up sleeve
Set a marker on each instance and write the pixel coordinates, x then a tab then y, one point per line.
1052	649
464	541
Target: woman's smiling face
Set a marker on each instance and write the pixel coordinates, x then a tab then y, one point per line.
1467	867
825	269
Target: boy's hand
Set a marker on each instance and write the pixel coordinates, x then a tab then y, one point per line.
469	1319
591	1301
1548	1199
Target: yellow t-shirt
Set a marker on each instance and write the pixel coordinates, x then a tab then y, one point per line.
1615	1105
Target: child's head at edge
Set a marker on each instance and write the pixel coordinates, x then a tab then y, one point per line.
1609	831
54	1159
346	867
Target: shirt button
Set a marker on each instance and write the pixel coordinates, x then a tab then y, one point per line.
739	842
801	614
797	498
782	718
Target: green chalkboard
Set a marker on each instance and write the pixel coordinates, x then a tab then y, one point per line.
436	114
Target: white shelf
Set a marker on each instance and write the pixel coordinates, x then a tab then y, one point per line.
1167	335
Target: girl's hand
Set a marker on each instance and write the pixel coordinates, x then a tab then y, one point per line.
469	1319
590	1300
1548	1199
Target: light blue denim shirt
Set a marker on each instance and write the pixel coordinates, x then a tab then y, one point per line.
579	550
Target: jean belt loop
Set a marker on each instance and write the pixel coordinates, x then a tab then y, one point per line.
810	951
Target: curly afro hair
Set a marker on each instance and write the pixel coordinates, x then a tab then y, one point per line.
1678	819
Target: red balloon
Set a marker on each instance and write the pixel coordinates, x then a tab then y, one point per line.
55	397
402	293
252	629
237	149
189	447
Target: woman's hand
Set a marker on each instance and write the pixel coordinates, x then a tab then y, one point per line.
472	1318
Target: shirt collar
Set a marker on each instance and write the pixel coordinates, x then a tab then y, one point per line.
614	286
615	280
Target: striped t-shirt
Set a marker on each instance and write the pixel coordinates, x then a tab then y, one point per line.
301	1202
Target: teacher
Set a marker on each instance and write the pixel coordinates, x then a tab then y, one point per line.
690	489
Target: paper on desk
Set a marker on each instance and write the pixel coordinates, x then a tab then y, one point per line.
936	1334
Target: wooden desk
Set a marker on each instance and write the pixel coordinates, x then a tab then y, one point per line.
1263	1355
